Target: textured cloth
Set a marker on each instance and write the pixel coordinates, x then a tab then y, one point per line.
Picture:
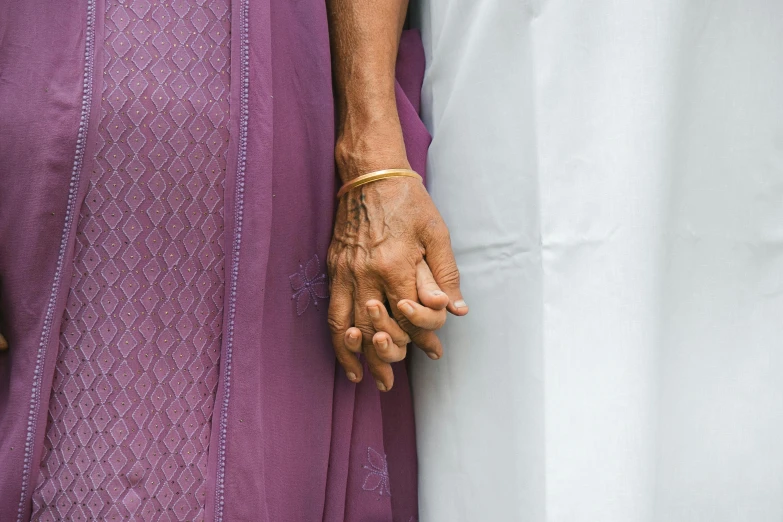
134	386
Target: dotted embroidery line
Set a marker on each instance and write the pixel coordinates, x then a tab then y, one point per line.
81	142
239	201
378	473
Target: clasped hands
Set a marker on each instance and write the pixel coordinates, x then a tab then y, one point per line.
393	277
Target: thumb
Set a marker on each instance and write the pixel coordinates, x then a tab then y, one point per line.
430	294
443	266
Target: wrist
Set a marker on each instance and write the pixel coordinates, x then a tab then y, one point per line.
366	147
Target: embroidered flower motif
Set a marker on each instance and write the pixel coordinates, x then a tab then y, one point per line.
378	477
308	285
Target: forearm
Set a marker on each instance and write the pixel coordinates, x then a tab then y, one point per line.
365	36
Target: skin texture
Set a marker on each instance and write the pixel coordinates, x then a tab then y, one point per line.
390	246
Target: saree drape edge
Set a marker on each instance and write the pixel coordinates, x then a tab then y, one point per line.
292	439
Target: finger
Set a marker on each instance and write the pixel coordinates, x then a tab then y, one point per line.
3	343
429	343
424	339
380	369
340	319
386	349
430	294
440	259
382	322
353	340
422	316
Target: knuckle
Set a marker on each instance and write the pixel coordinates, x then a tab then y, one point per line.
389	264
402	320
385	265
367	330
337	324
449	275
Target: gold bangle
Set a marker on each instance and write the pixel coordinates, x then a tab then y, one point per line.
375	176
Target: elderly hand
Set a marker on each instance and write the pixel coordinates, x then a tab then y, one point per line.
390	244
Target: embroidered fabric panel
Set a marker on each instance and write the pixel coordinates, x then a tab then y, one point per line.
136	374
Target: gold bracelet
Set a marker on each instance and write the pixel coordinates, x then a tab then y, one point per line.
375	176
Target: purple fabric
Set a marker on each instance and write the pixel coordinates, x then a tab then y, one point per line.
134	386
291	438
41	97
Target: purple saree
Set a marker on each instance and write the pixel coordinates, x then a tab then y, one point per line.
291	438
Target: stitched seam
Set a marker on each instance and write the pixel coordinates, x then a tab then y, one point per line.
78	160
238	212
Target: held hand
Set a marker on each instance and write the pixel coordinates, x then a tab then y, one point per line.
390	341
384	233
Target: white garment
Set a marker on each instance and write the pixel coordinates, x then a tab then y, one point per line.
612	174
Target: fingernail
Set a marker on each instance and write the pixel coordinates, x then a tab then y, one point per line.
406	308
351	376
433	356
437	292
383	344
354	335
380	385
375	312
460	304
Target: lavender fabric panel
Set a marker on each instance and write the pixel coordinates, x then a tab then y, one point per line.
42	65
133	391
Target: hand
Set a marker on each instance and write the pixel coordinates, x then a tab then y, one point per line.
383	234
390	342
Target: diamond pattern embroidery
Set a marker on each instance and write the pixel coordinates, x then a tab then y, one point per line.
136	375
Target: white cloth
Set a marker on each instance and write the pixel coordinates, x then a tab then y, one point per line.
612	174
